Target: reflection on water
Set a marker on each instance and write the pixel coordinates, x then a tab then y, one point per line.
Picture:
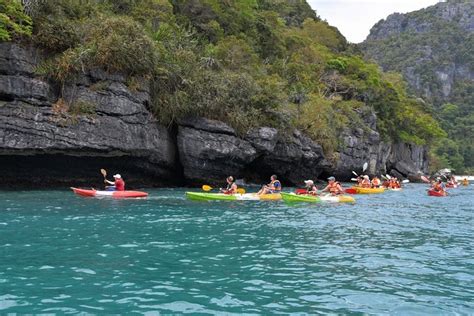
400	252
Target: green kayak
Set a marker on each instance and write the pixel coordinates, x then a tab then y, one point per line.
291	197
205	196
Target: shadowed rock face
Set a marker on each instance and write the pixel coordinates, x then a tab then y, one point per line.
45	143
211	150
35	124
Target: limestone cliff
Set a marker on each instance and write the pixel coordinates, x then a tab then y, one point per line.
100	122
431	47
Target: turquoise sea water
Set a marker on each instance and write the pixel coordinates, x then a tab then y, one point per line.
396	253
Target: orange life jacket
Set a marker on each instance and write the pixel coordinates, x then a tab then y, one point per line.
333	188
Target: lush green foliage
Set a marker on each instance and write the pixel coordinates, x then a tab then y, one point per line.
14	23
246	62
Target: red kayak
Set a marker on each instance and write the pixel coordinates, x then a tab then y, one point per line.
436	193
114	194
451	186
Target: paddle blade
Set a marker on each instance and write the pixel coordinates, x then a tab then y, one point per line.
388	176
425	179
206	187
406	181
355	173
364	167
350	191
104	173
353	179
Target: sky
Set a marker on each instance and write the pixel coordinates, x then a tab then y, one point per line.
355	18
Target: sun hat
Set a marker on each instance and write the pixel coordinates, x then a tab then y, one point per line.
332	179
310	182
117	176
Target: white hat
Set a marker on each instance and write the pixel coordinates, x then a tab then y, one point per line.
117	176
366	177
309	182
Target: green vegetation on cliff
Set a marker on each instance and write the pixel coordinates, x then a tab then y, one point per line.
246	62
434	49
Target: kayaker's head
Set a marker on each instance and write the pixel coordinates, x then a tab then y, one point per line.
366	177
309	183
230	179
331	179
117	176
274	177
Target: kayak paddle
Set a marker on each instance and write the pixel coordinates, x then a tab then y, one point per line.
364	167
406	181
425	179
353	179
207	188
355	173
351	191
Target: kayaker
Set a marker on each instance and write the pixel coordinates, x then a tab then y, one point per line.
117	185
273	187
438	186
465	182
310	187
375	182
365	183
231	186
333	187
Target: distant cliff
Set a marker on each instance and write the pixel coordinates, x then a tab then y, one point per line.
434	50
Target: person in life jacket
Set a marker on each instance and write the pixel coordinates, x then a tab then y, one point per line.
365	183
438	186
117	185
231	186
310	187
333	187
273	187
376	182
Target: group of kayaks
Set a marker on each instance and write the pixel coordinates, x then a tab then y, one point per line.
208	196
298	196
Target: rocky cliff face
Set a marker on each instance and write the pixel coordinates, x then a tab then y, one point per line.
431	47
99	122
44	141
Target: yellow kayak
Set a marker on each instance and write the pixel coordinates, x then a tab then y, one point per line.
360	190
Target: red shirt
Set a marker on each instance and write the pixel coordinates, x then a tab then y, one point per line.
119	185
